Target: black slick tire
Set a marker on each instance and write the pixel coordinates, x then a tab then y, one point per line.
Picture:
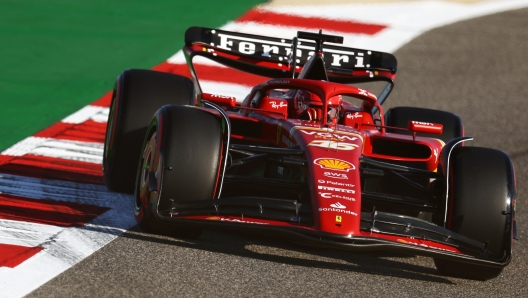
182	153
481	192
137	95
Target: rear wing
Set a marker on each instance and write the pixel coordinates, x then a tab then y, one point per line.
271	57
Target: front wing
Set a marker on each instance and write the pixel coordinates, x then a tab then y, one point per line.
379	232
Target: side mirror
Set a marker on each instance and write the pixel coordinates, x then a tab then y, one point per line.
424	127
221	100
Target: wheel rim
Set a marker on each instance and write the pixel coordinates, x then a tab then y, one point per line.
150	162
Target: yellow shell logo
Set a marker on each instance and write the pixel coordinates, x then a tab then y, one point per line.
334	164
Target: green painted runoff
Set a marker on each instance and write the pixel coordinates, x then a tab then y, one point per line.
60	55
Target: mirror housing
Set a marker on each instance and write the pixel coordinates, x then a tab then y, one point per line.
221	100
424	127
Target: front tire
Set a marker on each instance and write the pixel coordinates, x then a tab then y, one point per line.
480	207
180	162
137	95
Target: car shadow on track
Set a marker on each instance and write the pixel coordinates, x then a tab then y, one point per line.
282	251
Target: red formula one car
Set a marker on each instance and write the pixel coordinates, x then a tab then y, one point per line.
308	156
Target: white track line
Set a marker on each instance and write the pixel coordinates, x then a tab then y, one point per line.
95	113
63	247
64	191
25	233
65	149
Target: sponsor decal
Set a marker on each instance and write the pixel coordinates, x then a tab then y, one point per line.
236	220
328	195
417	126
304	124
334	164
423	245
335	183
362	92
337	59
337	210
307	126
278	106
222	96
333	145
338	205
335	175
279	82
336	189
423	123
270	48
328	135
339	218
354	116
366	93
242	221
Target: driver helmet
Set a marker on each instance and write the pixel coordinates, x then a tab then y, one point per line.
335	110
308	106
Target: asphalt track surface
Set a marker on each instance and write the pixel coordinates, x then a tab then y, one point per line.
474	68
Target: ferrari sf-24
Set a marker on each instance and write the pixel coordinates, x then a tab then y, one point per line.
309	154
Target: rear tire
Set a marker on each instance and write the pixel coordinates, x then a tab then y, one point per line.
400	117
137	95
480	195
183	151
